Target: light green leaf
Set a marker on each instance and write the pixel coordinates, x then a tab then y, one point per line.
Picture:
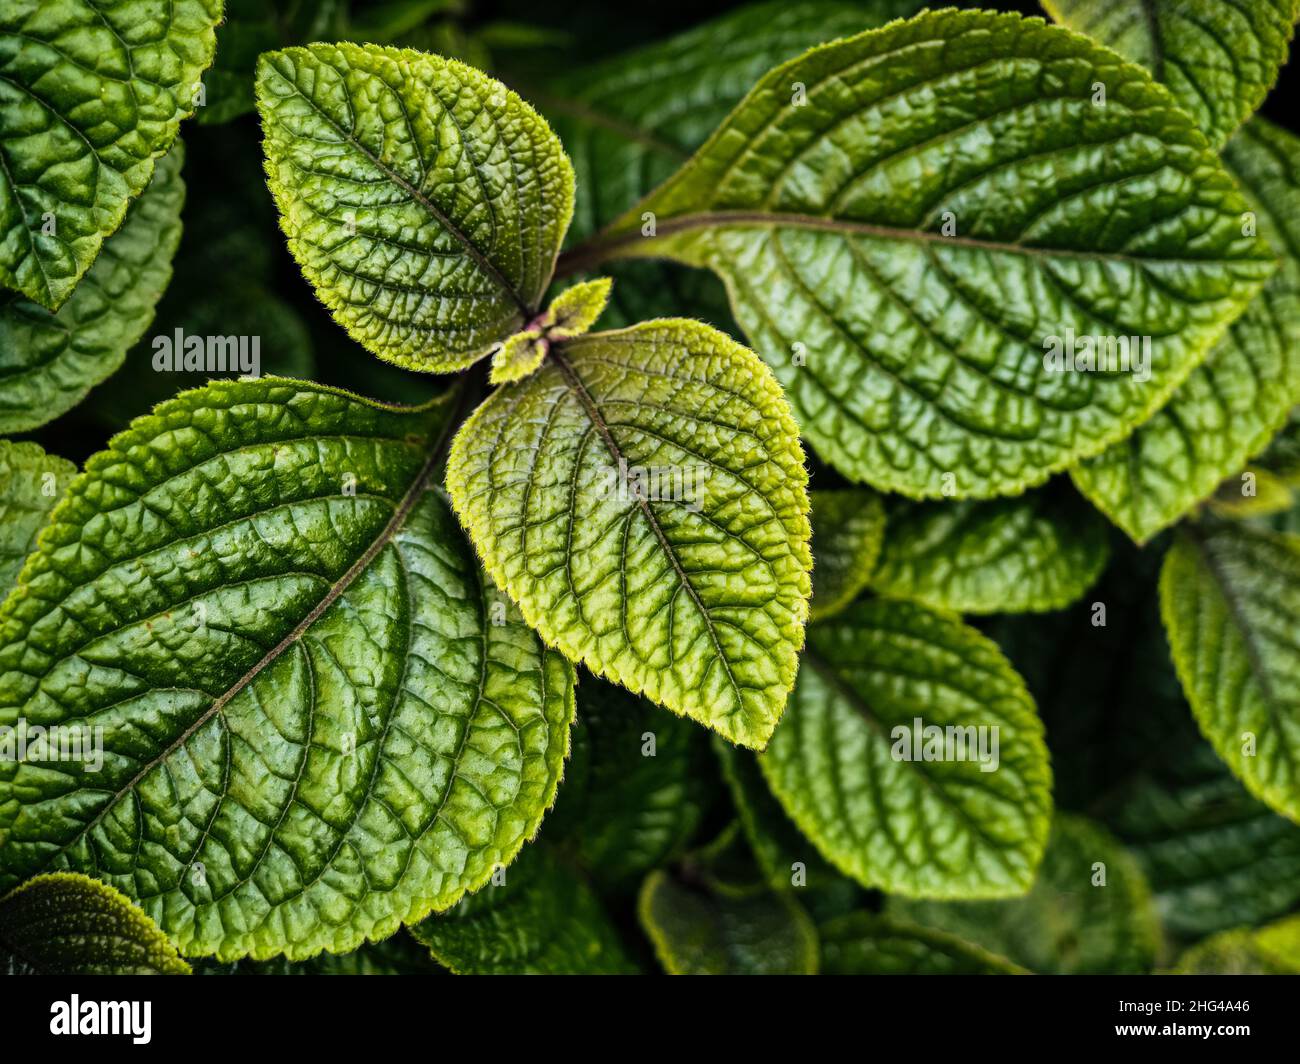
634	790
570	314
911	220
1234	402
312	728
542	920
1271	950
704	921
423	200
69	924
31	482
1230	598
1036	553
1070	923
1218	57
868	944
849	527
642	497
50	360
931	828
91	95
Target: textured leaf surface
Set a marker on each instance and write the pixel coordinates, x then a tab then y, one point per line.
1230	597
312	731
867	944
1218	57
423	200
1231	405
634	788
1066	925
716	917
91	94
909	354
642	497
1271	950
31	482
543	920
1035	553
398	955
68	924
849	527
50	360
938	828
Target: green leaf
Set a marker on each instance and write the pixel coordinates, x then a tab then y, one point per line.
915	360
849	527
50	360
1218	57
424	201
702	922
31	482
570	314
1234	402
1215	857
542	919
932	828
868	944
642	497
312	728
91	95
68	924
1271	950
1071	923
1230	598
633	792
1036	553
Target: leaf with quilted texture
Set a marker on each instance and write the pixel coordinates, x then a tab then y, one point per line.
1270	950
91	95
642	498
1230	599
1234	402
424	201
542	920
906	219
1036	553
69	924
31	483
885	813
1218	57
313	730
49	360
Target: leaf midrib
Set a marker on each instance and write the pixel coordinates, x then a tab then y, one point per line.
597	419
615	245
